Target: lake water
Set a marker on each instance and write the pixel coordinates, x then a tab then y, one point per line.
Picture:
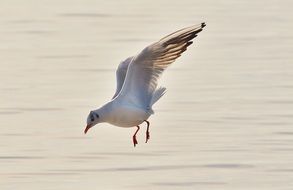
226	121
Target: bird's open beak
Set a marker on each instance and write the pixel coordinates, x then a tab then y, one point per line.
87	128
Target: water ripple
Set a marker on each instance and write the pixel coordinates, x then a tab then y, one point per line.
127	154
20	157
162	168
183	184
231	166
85	15
9	112
32	109
62	56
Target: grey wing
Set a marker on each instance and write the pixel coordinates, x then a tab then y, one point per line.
146	68
121	74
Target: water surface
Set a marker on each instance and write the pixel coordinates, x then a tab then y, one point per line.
225	122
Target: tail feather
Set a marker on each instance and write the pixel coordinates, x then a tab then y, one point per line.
158	94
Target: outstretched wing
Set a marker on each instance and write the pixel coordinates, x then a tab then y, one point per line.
121	74
146	68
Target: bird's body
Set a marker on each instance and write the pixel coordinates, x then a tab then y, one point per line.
123	115
137	82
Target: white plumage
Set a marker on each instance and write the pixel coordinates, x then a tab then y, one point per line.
137	81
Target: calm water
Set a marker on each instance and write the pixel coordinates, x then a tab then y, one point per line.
225	122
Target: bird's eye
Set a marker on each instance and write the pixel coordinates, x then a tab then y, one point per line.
92	117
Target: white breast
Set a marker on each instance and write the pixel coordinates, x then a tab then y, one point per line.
127	116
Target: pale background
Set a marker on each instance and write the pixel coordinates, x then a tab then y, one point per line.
225	122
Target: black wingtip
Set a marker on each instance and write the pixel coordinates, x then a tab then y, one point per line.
203	24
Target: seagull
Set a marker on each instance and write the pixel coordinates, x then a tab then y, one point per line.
137	82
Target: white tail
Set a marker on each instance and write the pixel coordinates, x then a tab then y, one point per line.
158	94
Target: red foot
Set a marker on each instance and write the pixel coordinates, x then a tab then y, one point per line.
147	132
147	136
134	140
134	137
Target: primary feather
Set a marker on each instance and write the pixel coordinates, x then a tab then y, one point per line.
144	70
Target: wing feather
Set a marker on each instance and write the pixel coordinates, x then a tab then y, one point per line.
121	74
146	68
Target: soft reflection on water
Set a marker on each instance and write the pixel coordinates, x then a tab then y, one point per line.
225	122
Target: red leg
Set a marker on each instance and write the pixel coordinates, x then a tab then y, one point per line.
134	137
147	131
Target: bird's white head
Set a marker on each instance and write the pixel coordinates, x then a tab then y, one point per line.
92	119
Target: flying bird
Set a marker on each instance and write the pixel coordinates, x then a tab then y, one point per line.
137	82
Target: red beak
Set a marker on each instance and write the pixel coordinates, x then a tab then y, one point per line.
87	128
